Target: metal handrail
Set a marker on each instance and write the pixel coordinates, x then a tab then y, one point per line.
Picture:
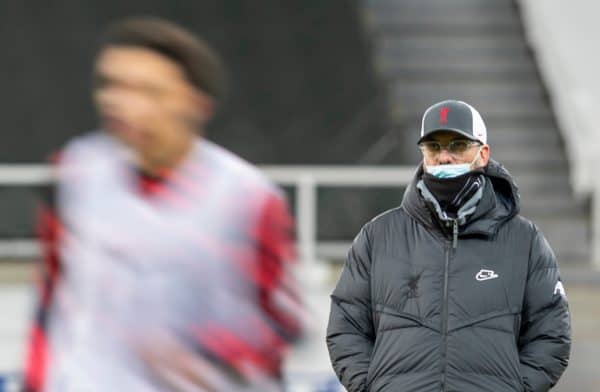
305	178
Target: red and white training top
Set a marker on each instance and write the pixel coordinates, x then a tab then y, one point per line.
200	257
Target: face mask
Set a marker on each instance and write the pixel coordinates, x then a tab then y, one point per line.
453	170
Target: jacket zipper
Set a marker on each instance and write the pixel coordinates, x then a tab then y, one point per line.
454	233
448	253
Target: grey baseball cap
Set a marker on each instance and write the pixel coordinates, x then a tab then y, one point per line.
455	116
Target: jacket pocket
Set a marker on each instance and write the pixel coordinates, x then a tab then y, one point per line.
402	342
487	346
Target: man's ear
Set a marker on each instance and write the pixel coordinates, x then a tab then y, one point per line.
484	155
206	107
200	110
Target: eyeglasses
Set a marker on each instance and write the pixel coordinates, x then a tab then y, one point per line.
454	147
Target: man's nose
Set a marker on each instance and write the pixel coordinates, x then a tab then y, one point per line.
444	156
107	98
118	99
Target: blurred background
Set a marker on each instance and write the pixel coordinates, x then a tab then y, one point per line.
326	96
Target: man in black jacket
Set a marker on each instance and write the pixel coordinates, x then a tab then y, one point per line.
453	290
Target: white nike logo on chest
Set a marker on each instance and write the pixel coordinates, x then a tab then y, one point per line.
486	274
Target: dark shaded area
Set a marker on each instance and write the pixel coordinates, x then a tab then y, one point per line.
302	88
301	85
343	211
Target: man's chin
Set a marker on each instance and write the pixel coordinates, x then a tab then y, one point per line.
128	136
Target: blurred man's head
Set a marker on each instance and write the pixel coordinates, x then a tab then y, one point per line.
453	139
156	84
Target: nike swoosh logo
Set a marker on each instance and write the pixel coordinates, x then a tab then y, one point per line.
486	274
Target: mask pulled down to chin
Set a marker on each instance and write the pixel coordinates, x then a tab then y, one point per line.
448	171
451	170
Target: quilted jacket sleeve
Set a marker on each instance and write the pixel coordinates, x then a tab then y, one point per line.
545	337
350	333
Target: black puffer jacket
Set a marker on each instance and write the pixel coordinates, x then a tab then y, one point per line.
416	311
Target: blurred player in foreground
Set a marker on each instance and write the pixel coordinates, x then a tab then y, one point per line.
167	258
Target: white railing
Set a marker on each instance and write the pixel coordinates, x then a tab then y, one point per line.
305	180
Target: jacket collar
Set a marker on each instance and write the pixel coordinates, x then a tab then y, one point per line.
466	210
499	202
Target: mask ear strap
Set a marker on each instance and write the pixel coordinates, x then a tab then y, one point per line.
476	157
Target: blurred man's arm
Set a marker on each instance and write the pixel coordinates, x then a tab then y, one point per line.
545	337
279	320
49	231
279	294
350	332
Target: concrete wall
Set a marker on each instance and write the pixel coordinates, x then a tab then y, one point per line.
564	36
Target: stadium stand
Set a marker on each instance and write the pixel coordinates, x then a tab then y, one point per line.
475	50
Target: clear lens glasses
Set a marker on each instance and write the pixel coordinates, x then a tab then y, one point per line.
455	147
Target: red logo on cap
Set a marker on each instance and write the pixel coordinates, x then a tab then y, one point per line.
444	115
